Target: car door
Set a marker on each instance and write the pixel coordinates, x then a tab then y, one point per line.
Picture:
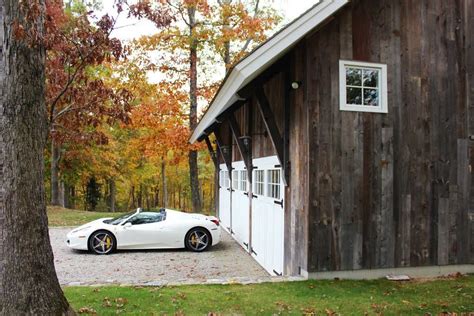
145	230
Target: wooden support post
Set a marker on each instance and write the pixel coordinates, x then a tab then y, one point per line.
212	152
286	129
234	126
272	128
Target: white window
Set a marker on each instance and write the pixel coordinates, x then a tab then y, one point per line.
235	180
222	179
273	184
259	182
243	180
363	86
226	179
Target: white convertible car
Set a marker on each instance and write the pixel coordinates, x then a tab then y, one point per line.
141	229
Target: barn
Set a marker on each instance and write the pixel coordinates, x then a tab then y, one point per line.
345	143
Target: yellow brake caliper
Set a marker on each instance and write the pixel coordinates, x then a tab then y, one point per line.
108	242
193	239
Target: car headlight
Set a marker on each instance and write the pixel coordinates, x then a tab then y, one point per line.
80	229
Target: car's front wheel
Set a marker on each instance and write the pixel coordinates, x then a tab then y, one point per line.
198	239
102	242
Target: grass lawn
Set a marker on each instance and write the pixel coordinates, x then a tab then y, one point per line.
59	216
293	298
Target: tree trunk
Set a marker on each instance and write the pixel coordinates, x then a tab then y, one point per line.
163	182
193	155
133	204
71	196
28	281
179	197
156	201
55	156
111	196
140	195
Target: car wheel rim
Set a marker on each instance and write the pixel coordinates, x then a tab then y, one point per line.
102	243
198	240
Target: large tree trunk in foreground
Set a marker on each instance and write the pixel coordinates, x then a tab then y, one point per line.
193	155
28	281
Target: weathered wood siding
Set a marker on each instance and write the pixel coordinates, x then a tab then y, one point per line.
390	190
377	190
261	143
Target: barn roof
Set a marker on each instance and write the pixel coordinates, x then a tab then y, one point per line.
262	58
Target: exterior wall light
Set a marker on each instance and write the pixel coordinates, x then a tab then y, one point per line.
225	150
296	85
247	141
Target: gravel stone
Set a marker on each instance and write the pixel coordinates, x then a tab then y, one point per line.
224	263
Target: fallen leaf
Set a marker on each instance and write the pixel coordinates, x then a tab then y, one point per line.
87	310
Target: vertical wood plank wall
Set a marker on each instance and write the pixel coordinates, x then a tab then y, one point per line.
391	190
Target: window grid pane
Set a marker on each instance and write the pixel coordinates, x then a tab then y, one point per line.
226	179
235	180
243	180
273	188
362	86
259	183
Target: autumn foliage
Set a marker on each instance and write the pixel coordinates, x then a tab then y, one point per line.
110	122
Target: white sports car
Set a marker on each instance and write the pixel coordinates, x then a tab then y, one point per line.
141	229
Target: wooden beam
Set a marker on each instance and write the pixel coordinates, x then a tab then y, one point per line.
278	67
212	152
224	156
234	126
208	131
230	110
271	126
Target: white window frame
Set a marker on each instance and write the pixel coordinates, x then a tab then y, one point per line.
243	182
383	95
257	183
273	187
235	179
226	179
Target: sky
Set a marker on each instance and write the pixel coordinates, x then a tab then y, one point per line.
129	28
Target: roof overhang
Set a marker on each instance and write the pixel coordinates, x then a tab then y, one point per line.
263	57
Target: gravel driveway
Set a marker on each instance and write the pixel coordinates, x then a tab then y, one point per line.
224	263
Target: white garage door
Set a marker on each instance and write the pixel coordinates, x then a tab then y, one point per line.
268	214
240	204
224	197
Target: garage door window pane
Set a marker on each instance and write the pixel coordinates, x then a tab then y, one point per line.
273	184
235	180
243	180
226	179
259	183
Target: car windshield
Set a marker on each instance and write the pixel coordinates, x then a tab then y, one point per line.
119	219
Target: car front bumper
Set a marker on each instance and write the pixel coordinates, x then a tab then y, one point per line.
77	241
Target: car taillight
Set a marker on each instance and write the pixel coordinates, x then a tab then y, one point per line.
215	221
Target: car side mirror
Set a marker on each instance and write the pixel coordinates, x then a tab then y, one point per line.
127	225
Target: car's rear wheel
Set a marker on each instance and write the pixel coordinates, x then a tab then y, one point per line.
102	242
198	239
